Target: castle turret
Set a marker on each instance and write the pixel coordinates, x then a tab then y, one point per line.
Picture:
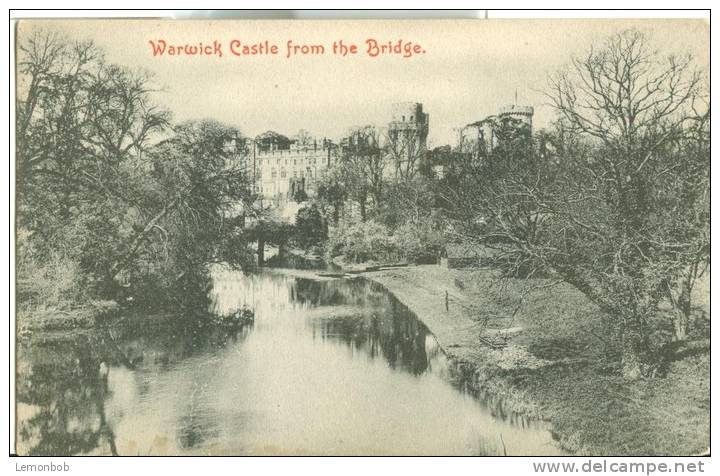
477	135
408	119
407	133
522	113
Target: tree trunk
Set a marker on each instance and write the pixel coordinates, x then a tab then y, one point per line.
681	325
261	252
363	208
631	369
633	344
682	313
682	303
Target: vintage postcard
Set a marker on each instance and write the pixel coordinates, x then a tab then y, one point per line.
362	237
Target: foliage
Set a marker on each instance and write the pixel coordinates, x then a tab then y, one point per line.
419	242
52	282
112	198
408	201
332	194
311	229
300	196
363	241
272	230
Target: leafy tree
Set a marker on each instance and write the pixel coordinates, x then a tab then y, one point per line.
362	241
300	196
199	176
332	193
82	128
311	229
106	185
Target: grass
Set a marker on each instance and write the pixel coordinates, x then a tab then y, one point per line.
595	411
557	366
598	414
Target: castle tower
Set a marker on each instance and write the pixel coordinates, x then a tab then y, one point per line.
515	111
408	119
407	133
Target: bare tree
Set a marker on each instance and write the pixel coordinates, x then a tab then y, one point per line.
405	149
80	120
374	164
363	165
614	201
640	106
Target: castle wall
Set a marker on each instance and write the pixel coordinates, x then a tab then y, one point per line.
281	169
280	172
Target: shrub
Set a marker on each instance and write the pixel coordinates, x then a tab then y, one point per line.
310	227
419	242
364	241
372	241
51	281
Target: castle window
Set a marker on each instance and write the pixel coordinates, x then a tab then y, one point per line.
294	173
283	173
274	173
411	118
403	118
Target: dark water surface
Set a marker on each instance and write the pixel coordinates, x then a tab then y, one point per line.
329	367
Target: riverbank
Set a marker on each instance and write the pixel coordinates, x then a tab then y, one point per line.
552	367
79	317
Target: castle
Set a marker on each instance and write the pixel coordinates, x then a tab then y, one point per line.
483	131
282	168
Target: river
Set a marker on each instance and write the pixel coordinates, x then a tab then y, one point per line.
329	367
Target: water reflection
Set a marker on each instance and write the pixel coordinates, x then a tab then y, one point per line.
329	367
61	395
380	325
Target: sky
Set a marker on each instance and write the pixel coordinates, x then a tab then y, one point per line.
469	68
